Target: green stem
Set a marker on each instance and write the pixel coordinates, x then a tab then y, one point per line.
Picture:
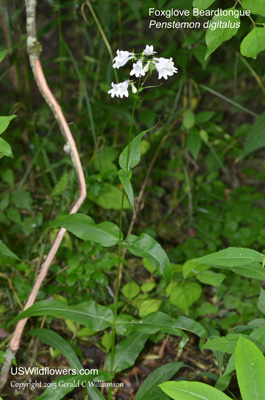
116	298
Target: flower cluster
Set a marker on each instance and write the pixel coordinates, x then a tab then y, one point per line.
143	63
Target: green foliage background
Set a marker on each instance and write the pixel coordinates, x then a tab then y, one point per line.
205	191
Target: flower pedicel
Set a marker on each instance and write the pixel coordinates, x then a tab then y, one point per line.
145	62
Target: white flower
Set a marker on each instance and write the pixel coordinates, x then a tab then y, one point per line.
149	50
165	67
138	69
122	58
119	89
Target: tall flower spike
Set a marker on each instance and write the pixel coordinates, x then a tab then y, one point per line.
122	58
138	69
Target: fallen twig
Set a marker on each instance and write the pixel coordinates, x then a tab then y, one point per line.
34	49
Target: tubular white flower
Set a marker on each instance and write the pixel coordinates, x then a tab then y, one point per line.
138	69
149	50
165	67
122	58
119	89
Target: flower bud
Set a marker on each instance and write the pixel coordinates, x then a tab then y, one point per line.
146	67
134	90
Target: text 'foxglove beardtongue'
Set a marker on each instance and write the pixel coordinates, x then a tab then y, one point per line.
122	58
165	67
149	50
138	69
119	89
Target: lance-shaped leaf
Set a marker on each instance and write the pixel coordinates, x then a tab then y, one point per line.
125	178
53	339
82	226
226	344
131	155
90	314
6	254
250	370
261	301
147	247
64	385
5	149
127	351
232	257
159	322
255	271
149	388
4	121
192	391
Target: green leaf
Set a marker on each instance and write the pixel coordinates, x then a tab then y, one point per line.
255	271
131	290
82	226
148	307
159	322
148	287
8	176
109	198
58	391
90	314
204	116
189	120
194	143
250	370
226	344
146	247
255	7
133	150
202	4
256	136
53	339
3	54
149	388
210	278
6	254
253	43
185	295
127	351
107	341
258	337
183	390
4	121
215	37
232	257
125	179
191	268
5	149
261	301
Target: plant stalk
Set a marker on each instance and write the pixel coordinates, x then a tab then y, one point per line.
116	298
